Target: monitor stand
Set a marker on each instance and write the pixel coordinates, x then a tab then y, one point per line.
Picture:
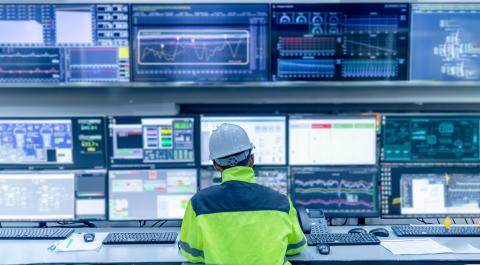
361	221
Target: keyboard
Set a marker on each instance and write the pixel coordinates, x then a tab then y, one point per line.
342	239
435	231
141	238
35	233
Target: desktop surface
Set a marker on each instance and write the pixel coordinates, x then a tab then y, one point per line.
13	252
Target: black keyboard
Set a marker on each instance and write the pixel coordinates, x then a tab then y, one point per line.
435	231
35	233
342	239
141	238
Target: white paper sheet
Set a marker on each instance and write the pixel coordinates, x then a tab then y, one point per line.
461	247
76	243
415	246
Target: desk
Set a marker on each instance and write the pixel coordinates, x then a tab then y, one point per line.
35	252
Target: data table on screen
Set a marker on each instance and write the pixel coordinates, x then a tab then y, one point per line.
267	133
332	141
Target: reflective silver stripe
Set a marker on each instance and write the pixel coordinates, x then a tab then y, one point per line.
192	251
297	245
284	260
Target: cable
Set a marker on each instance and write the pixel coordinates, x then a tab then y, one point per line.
162	223
329	221
466	221
453	220
421	220
438	221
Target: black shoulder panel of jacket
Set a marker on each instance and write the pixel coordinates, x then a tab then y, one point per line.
238	196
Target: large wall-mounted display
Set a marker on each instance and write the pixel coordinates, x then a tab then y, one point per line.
445	42
204	43
238	43
52	43
339	41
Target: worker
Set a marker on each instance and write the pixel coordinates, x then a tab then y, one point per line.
239	221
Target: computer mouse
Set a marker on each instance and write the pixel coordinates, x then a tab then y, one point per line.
381	232
323	249
89	237
357	230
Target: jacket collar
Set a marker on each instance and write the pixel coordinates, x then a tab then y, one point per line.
245	174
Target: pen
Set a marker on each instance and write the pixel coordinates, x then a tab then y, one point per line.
69	243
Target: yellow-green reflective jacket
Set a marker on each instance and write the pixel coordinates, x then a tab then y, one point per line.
240	222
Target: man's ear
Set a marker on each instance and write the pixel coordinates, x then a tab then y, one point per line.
217	167
251	161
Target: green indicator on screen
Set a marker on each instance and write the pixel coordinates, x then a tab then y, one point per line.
182	125
167	142
342	126
364	126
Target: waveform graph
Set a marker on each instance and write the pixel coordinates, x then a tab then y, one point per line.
371	24
30	65
372	45
307	46
370	69
306	68
193	47
336	191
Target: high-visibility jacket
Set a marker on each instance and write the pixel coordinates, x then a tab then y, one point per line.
240	222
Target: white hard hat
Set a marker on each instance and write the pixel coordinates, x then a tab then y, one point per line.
228	139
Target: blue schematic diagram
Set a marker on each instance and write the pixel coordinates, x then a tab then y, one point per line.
31	142
445	38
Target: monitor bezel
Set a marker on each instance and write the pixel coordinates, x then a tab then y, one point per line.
241	115
423	165
75	153
156	165
76	173
333	117
372	214
109	219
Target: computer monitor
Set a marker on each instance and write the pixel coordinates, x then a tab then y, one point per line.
430	190
53	195
52	43
150	194
339	41
137	141
445	42
272	177
267	133
52	143
339	191
200	42
332	140
430	138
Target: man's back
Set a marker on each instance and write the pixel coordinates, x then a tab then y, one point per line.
240	222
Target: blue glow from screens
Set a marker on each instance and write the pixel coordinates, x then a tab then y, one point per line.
206	43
